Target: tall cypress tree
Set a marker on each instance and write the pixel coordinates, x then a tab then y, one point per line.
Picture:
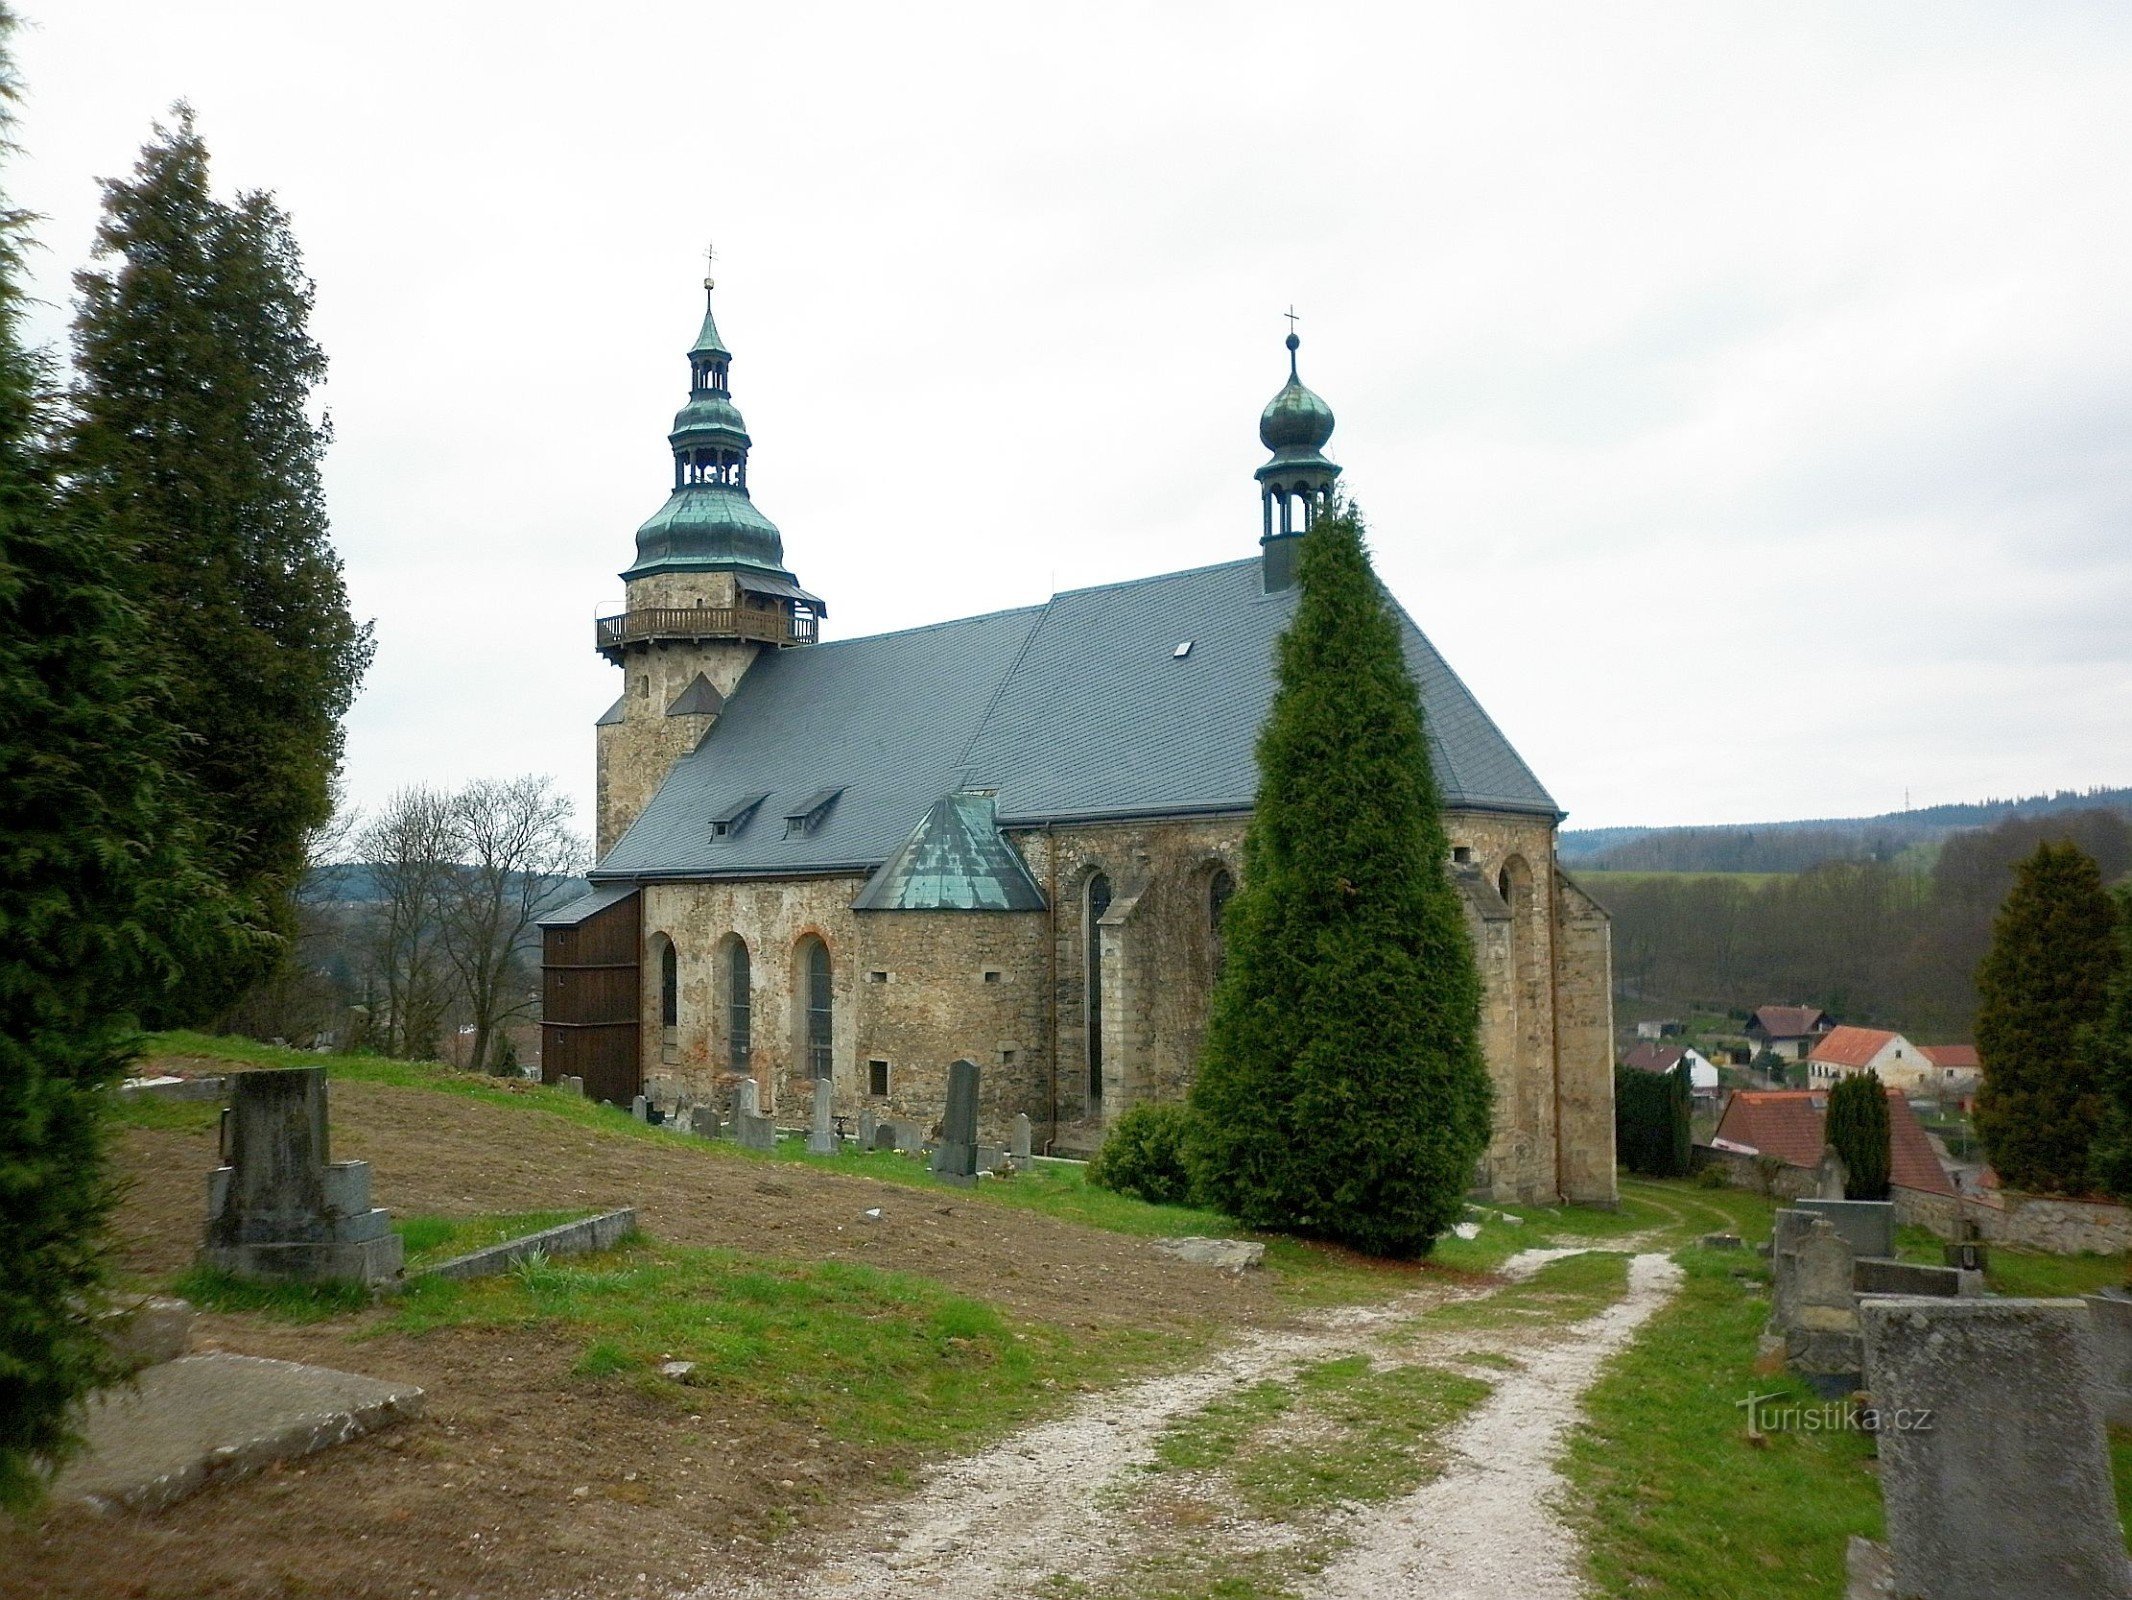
2108	1048
2041	989
194	447
100	892
1857	1126
1342	1092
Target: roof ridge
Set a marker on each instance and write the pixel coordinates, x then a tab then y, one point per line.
1158	577
984	717
931	627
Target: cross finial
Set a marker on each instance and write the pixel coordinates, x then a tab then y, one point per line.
1292	341
710	254
1293	319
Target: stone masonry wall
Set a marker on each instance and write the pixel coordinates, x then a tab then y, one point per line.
1546	1014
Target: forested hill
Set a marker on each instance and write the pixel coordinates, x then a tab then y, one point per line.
1795	846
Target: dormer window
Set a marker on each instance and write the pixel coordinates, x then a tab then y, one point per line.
808	817
727	823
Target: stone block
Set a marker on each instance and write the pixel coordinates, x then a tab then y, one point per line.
990	1158
1721	1241
2109	1335
1994	1467
347	1188
752	1132
1869	1225
1786	1231
1236	1255
147	1332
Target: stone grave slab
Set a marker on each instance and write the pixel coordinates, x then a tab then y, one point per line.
203	1419
1993	1462
1869	1225
1237	1255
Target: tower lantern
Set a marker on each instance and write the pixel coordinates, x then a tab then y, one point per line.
1297	483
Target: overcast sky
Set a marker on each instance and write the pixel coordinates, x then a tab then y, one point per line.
1740	395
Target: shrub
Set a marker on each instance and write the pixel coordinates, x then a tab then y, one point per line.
1144	1155
1858	1127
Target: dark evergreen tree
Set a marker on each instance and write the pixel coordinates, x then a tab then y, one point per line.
193	446
99	892
1652	1137
1857	1126
2041	989
2109	1053
1342	1092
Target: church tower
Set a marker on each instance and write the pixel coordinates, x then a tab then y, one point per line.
707	592
1297	483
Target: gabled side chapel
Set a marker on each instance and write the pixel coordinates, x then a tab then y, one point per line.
836	867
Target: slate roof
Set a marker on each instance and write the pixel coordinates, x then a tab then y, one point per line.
1787	1124
1078	709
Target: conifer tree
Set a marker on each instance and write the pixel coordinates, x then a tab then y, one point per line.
2108	1049
99	892
1857	1126
2041	989
194	447
1341	1092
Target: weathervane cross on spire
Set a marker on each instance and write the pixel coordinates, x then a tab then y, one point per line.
1293	319
710	254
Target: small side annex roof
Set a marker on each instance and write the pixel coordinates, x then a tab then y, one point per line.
954	860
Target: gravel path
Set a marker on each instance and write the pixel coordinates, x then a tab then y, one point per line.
1000	1523
1486	1528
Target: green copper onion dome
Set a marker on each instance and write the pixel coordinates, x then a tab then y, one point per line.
709	521
1295	421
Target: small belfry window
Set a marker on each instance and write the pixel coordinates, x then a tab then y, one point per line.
739	1006
821	1000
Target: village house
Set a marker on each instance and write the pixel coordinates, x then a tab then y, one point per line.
1847	1051
1789	1032
836	867
1702	1074
1789	1126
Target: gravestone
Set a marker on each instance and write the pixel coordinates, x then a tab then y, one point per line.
1871	1276
990	1158
1869	1225
2110	1353
868	1128
822	1140
640	1108
747	1098
1786	1230
1830	1175
571	1084
1021	1141
1994	1467
956	1159
703	1121
1822	1342
280	1209
902	1137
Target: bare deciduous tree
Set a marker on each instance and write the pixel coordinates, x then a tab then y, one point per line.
407	846
513	853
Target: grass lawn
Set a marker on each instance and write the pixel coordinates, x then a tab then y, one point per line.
2025	1272
1674	1498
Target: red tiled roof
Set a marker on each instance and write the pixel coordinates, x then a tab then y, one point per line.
1787	1124
1788	1022
1851	1047
1654	1057
1950	1055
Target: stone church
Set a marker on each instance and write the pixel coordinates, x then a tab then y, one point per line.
838	866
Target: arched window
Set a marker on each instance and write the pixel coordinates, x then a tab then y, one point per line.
1098	903
1502	885
739	1006
669	985
1221	888
821	1000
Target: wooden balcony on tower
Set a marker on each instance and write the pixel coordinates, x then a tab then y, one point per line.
690	624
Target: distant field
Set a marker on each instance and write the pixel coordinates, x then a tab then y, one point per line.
1599	877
